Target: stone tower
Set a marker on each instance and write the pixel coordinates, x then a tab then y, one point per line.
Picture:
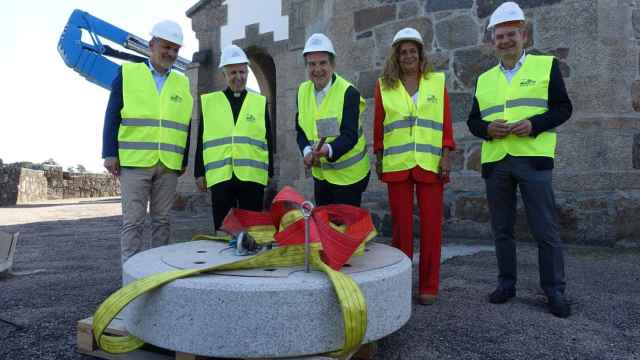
597	176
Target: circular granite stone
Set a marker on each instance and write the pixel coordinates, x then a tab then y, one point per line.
262	312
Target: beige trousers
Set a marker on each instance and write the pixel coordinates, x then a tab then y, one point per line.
154	187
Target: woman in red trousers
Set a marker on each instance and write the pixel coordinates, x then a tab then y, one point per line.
412	139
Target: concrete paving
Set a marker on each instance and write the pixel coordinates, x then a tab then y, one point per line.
77	243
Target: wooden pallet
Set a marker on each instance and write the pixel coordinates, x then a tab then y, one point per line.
86	344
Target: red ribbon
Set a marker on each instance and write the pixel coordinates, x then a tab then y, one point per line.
337	247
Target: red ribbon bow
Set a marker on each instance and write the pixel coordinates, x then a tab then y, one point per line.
337	247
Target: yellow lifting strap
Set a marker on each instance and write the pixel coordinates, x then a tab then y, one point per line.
350	297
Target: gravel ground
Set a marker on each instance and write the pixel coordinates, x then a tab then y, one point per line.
77	245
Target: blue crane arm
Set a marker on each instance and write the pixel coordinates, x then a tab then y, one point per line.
92	60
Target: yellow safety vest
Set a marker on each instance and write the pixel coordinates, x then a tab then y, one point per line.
155	126
239	148
524	97
350	167
413	132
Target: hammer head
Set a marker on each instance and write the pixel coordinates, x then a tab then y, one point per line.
327	127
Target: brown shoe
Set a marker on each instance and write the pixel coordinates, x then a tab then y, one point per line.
426	299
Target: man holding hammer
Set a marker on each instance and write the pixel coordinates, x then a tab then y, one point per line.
329	130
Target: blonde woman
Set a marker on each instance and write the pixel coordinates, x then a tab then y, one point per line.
412	139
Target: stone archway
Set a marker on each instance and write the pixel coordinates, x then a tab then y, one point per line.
264	69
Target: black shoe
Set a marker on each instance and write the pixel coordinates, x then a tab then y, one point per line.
501	296
559	306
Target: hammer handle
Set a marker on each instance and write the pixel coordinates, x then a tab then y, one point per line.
322	141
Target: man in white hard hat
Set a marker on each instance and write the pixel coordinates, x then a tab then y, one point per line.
234	156
146	137
517	106
340	167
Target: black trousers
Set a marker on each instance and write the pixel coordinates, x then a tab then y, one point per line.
246	195
536	189
326	193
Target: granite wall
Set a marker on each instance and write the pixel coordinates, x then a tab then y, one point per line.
20	185
597	175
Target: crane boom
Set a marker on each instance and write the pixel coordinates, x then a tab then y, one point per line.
91	60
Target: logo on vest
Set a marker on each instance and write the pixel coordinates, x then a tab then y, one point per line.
250	118
176	98
527	82
431	99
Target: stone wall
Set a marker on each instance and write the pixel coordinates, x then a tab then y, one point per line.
9	179
597	175
89	185
20	185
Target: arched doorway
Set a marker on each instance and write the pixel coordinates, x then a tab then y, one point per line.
264	70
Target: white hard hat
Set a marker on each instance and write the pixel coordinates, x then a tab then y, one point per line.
506	12
168	30
232	54
407	34
318	42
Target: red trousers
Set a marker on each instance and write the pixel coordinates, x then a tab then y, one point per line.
430	203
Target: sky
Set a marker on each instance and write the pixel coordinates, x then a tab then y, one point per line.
50	111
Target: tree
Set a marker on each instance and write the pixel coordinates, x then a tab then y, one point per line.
71	169
50	161
81	169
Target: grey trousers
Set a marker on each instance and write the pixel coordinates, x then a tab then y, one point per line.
156	187
536	190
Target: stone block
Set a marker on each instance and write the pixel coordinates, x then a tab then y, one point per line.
472	158
384	34
357	56
299	14
439	59
200	314
627	213
408	9
635	96
466	229
605	149
342	7
460	105
457	159
466	181
387	226
635	21
471	207
468	64
368	18
367	82
443	5
636	151
456	32
32	186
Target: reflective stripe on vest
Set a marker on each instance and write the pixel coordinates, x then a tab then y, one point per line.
152	122
413	132
154	126
239	148
237	140
351	167
523	98
150	146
